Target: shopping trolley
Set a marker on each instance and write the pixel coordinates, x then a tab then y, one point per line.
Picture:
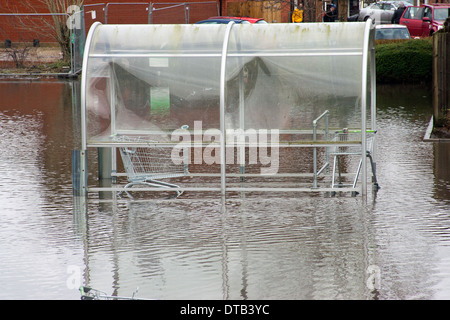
339	151
146	162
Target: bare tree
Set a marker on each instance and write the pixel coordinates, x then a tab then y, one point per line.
60	25
56	26
19	55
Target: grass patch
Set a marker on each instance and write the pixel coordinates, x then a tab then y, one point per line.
52	67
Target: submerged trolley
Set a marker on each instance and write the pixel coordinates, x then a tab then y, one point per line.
146	163
88	293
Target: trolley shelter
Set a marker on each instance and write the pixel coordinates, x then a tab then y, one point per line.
230	108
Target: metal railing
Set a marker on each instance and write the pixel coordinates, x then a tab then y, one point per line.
318	172
152	12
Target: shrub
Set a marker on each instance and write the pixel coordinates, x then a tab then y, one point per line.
405	61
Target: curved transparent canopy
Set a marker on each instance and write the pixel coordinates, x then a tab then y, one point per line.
158	78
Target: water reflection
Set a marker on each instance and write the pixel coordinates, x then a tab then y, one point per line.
258	249
35	215
441	153
409	210
292	247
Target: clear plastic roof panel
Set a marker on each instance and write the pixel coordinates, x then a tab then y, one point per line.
287	75
153	79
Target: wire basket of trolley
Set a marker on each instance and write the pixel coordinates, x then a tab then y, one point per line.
147	162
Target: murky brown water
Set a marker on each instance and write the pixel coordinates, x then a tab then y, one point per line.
307	247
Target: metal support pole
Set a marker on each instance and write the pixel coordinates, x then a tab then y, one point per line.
222	108
315	154
106	13
150	13
186	13
104	163
327	149
373	109
363	108
79	173
325	114
242	123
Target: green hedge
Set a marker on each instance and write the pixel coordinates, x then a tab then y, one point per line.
404	62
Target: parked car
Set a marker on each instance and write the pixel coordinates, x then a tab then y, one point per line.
251	20
391	32
221	21
380	12
424	20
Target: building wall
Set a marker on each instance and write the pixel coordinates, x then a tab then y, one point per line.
273	11
23	28
26	28
165	11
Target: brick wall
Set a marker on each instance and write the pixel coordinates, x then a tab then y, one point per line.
164	11
24	28
27	28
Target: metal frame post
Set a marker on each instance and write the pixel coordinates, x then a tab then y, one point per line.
79	173
363	107
316	173
373	103
222	108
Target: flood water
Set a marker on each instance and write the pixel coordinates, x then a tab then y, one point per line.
395	245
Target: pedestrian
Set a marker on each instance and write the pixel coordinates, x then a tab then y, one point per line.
330	15
297	15
398	13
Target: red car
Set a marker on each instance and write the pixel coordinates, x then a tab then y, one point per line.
251	20
424	20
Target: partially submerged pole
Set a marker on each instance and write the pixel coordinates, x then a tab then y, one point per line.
79	173
222	109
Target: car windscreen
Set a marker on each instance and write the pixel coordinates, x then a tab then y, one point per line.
441	13
392	33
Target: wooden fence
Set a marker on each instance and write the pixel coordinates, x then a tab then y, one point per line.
267	10
441	78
